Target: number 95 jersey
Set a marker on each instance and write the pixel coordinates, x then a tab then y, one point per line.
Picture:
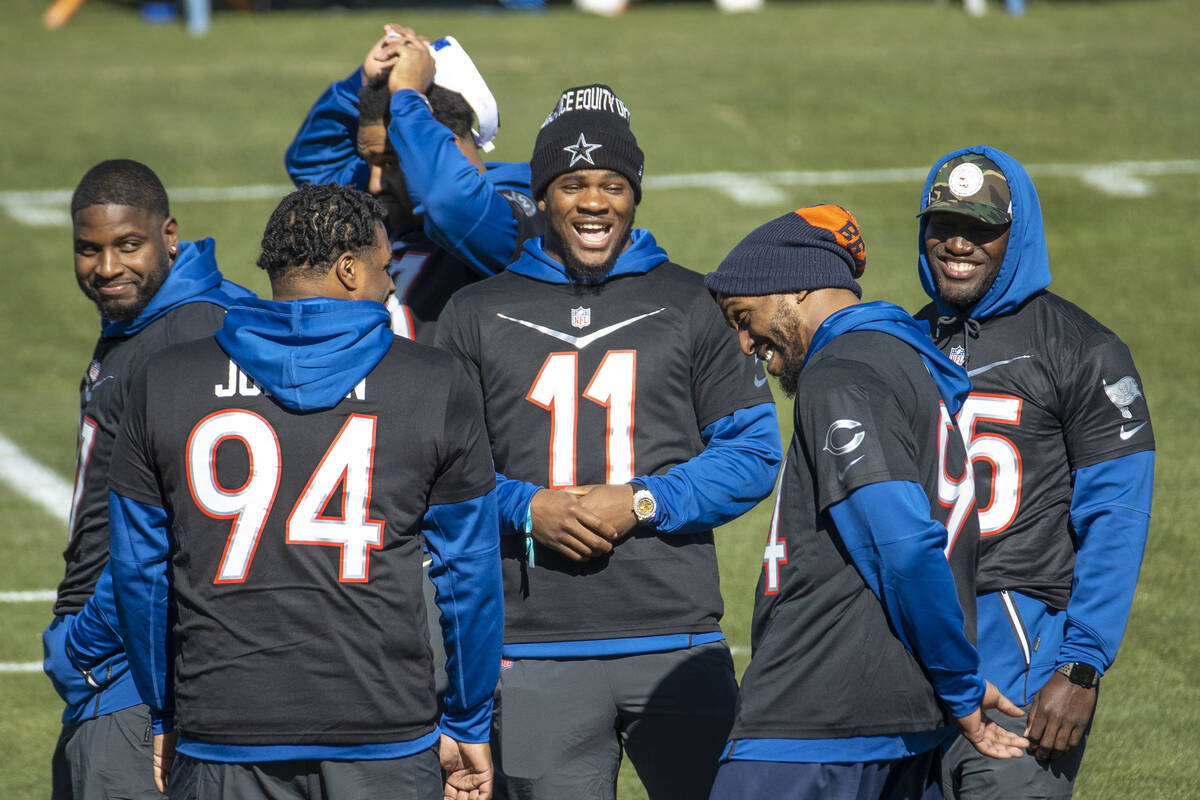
295	542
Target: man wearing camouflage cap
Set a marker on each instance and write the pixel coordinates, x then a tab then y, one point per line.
1060	438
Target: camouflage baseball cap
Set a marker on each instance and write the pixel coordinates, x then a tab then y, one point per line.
973	185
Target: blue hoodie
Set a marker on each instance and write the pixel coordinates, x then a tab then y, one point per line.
898	549
1025	270
1110	498
308	354
194	278
461	209
84	656
693	496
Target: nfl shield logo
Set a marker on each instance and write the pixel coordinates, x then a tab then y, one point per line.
958	355
581	317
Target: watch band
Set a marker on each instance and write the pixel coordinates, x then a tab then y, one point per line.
1083	675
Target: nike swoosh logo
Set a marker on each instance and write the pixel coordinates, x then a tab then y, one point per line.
579	342
842	472
1125	434
760	381
980	370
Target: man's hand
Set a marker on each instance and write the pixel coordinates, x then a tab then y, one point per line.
411	62
387	52
612	503
163	758
468	769
563	524
1060	714
986	736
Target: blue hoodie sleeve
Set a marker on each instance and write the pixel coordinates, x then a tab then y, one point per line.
325	149
462	211
139	549
898	549
736	469
93	635
1110	512
465	547
512	499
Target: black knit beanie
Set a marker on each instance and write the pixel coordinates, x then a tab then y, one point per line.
819	247
588	129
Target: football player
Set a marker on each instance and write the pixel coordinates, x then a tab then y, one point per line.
274	487
863	664
1060	435
152	290
625	426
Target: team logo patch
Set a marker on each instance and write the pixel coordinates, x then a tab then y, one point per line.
581	317
958	355
582	151
506	663
965	180
844	436
1122	394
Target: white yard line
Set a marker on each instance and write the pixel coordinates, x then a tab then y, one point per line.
23	666
48	208
41	486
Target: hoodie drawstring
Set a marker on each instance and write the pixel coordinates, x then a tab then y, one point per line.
969	325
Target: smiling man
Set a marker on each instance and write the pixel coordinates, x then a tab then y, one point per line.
1064	453
625	426
152	290
863	618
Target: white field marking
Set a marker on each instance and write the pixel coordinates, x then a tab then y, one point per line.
51	208
37	596
25	666
40	485
1117	178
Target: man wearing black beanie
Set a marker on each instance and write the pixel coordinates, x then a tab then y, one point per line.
625	426
863	632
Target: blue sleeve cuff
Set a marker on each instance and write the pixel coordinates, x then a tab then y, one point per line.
512	501
474	726
736	469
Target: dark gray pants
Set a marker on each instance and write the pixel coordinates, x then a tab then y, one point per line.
105	758
415	777
561	725
967	775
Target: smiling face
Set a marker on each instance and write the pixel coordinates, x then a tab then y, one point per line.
122	256
589	219
773	328
964	255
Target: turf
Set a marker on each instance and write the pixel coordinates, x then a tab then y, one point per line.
807	86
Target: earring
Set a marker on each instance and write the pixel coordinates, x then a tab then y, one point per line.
171	250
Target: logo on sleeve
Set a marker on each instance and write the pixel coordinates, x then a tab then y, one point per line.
1123	393
844	436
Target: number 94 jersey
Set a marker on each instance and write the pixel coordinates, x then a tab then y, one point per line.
296	542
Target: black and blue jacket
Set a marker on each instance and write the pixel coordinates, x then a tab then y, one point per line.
1065	458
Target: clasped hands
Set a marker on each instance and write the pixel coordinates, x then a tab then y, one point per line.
582	522
403	54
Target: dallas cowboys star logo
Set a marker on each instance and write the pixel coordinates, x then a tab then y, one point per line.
582	151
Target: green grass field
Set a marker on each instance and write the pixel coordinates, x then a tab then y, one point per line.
803	87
